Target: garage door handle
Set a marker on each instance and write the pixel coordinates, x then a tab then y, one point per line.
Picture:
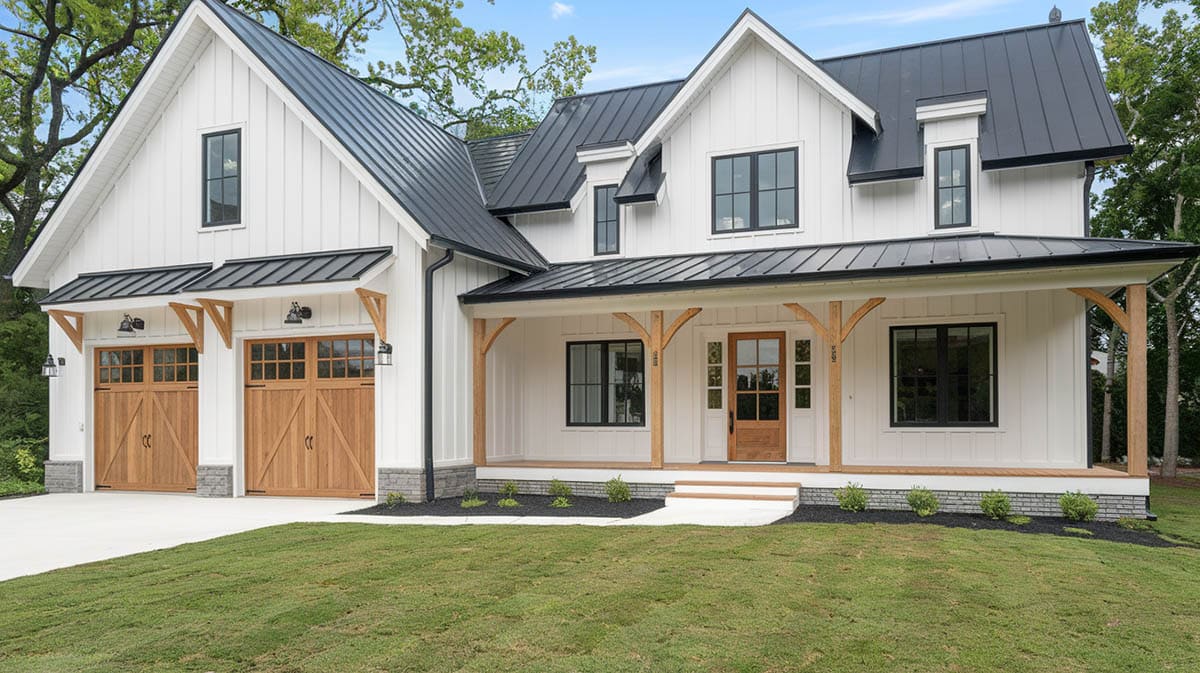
149	444
308	442
145	439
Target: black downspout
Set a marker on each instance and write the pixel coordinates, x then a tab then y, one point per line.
1089	174
428	419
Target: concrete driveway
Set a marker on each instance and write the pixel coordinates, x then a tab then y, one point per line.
59	530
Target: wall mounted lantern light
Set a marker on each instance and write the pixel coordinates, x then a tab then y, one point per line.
297	314
128	325
52	368
383	354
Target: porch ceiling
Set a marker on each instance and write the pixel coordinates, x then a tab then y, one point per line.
926	261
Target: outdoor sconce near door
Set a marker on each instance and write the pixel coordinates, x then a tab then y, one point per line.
52	368
128	325
297	314
383	354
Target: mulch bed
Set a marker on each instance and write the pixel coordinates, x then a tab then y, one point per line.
1101	530
531	505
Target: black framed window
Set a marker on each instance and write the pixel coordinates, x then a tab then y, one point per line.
944	375
952	165
755	191
607	219
222	178
606	383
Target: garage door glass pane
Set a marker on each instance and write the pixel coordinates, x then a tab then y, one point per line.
345	359
277	361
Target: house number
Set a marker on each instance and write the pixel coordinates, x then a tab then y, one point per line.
654	359
833	353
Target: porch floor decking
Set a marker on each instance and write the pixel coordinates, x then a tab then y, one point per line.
1096	472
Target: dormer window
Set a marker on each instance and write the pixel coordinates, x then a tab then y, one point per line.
755	191
952	166
222	178
607	220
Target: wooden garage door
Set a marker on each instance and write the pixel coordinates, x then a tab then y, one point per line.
145	418
310	416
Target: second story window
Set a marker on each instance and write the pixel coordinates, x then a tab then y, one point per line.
222	178
755	191
952	165
608	220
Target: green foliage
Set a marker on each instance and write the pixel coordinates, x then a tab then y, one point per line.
617	490
1081	532
1019	520
852	497
1129	523
507	502
24	393
509	489
561	502
20	487
22	459
923	501
471	502
1077	506
560	488
395	499
995	504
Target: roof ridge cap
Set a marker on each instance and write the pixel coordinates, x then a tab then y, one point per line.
946	40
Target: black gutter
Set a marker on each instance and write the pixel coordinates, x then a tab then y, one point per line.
427	421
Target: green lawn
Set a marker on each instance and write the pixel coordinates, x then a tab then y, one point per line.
348	597
1178	510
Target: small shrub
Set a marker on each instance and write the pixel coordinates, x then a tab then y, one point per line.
509	489
1129	523
617	490
561	502
507	502
1077	506
923	501
995	504
1019	520
560	489
471	499
852	497
394	499
1081	532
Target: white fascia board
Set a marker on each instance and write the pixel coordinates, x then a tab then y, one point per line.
749	24
973	107
610	153
1101	277
395	209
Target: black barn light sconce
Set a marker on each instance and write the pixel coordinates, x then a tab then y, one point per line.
297	314
130	325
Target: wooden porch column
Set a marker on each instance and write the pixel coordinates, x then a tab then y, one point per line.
834	334
482	341
1135	384
656	341
1133	321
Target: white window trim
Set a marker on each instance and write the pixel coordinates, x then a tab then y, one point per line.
198	165
797	145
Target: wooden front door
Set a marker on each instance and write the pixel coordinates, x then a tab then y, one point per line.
310	417
146	418
757	415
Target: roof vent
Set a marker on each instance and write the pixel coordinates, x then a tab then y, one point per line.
1055	14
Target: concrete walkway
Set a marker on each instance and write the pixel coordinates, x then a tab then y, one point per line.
56	531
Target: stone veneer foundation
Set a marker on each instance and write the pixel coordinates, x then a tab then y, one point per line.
448	482
64	476
214	481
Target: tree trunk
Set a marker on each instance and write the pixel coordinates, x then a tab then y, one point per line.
1110	373
1170	455
22	227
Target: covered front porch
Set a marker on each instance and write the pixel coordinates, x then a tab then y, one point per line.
959	376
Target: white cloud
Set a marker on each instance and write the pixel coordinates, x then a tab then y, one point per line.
558	10
918	14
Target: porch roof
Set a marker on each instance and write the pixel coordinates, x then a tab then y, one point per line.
149	282
318	267
981	252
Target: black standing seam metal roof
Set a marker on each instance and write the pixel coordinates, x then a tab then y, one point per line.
643	179
427	170
822	263
149	282
1047	100
319	267
492	156
545	173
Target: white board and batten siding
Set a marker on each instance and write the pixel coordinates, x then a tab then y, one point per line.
1040	370
760	102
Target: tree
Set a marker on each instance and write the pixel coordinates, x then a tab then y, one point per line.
441	58
1153	74
63	68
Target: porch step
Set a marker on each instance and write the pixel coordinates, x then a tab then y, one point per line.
757	495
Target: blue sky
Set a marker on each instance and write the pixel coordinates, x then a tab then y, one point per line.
652	40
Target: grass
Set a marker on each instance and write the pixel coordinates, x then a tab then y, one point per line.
19	487
350	597
1178	508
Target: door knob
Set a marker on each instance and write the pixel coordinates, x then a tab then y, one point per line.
731	421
